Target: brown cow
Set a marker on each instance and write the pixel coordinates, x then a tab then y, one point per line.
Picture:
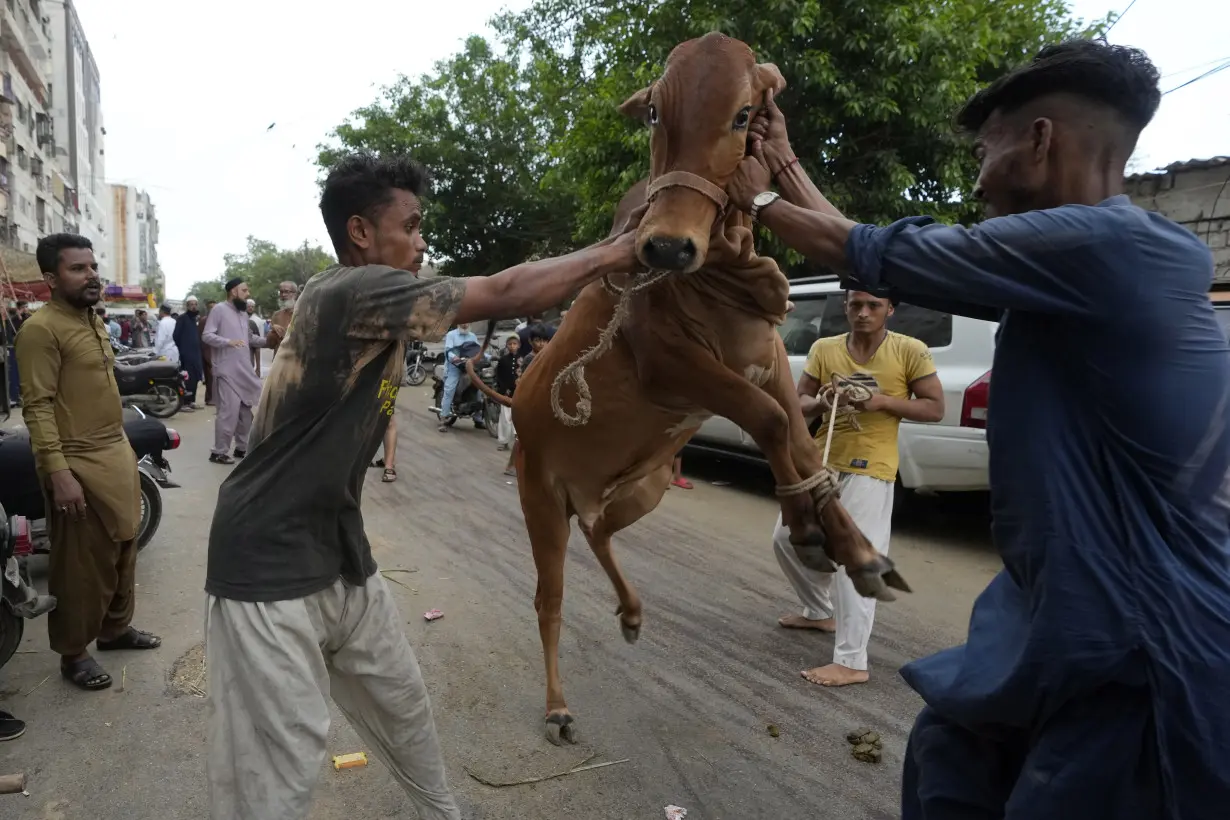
702	340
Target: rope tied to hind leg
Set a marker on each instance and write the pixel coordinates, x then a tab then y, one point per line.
575	372
826	478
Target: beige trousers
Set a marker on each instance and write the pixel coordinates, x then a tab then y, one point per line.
273	666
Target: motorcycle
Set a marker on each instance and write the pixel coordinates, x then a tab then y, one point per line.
416	367
146	381
469	400
19	600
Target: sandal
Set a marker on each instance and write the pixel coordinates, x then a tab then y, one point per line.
681	483
85	674
390	475
133	638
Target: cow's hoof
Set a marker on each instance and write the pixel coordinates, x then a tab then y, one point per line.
814	557
874	579
561	728
631	631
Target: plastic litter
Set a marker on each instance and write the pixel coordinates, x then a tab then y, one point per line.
350	761
433	614
676	813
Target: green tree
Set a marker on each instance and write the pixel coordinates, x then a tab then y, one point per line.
872	87
262	267
482	132
531	154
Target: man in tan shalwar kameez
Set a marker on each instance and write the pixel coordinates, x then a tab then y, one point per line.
88	471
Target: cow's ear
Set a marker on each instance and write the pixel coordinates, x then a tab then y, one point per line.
637	106
770	78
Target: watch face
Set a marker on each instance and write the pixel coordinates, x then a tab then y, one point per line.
764	199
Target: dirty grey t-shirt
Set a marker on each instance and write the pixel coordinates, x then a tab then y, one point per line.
287	522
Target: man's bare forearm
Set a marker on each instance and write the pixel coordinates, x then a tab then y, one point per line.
797	188
819	237
533	287
916	409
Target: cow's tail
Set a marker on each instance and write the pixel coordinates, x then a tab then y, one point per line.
479	383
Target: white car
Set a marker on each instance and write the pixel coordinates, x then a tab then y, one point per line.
947	456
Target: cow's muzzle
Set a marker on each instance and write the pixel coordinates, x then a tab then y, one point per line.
669	250
668	253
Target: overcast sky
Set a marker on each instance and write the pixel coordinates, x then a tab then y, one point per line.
188	99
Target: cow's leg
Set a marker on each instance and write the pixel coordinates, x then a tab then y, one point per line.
869	571
546	519
701	379
624	512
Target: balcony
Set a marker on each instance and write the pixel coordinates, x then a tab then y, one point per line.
23	45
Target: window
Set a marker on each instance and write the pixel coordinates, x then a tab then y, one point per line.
928	326
822	316
803	324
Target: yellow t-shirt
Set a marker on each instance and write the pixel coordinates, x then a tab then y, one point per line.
899	361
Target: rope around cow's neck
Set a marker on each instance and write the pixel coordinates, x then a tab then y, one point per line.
576	371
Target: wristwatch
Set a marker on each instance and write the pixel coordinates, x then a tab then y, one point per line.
763	201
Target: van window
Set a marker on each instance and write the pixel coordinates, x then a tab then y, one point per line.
928	326
803	324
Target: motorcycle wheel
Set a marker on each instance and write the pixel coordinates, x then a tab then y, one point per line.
491	416
165	403
151	511
11	628
416	374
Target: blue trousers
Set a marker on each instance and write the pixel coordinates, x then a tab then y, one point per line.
452	376
1094	759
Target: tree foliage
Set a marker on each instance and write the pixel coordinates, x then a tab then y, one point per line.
477	125
263	267
532	155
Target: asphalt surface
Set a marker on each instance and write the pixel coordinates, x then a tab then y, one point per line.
688	707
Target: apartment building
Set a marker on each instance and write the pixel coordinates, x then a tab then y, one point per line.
135	239
28	171
78	121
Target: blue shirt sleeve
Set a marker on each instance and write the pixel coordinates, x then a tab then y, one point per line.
1052	261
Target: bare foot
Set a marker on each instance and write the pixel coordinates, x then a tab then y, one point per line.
799	622
835	675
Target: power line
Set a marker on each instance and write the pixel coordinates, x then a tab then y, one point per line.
1194	67
1199	77
1121	15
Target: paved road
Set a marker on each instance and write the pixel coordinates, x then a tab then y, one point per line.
688	706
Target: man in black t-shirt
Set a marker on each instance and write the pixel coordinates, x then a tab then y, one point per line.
296	609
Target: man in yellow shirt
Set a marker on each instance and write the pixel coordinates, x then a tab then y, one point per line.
899	373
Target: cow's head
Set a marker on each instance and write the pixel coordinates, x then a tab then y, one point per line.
698	114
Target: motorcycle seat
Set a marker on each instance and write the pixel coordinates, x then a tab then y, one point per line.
157	369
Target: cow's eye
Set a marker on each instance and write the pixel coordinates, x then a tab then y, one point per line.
743	118
653	114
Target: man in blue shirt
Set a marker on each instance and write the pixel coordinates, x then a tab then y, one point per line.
454	368
1095	681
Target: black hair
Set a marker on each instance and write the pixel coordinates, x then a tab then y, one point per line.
879	293
362	183
49	247
1119	77
538	331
